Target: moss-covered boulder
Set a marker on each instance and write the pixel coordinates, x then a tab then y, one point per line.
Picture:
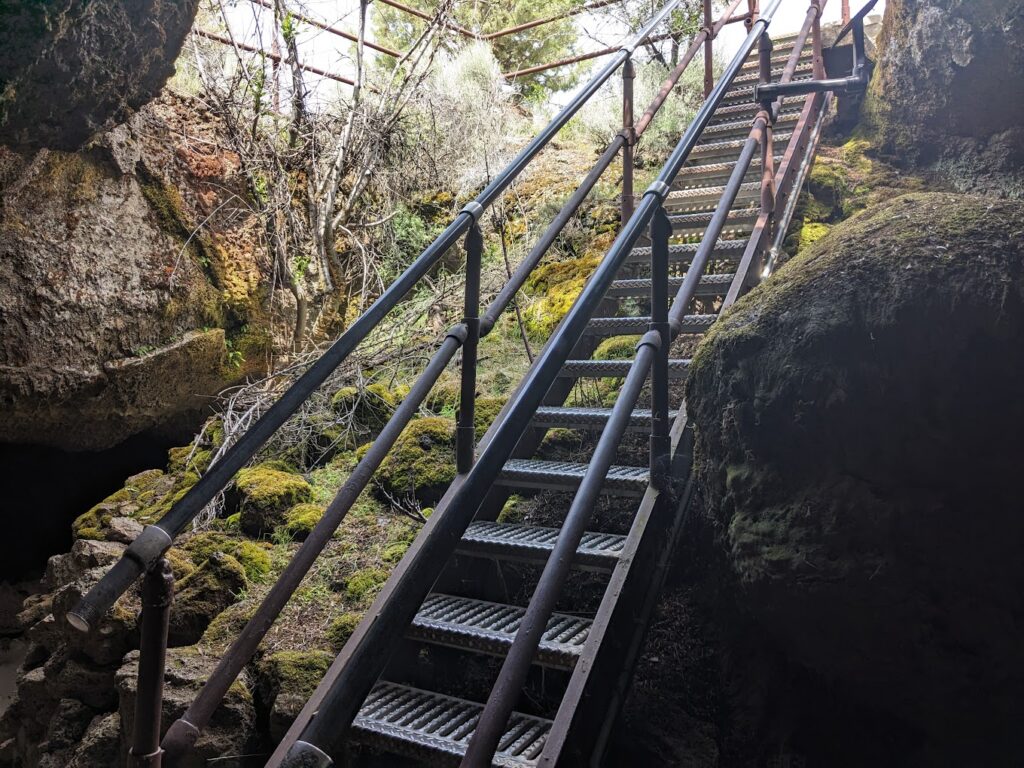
202	595
253	556
265	495
858	428
301	519
422	462
341	629
286	679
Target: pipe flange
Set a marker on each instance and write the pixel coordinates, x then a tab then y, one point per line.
474	209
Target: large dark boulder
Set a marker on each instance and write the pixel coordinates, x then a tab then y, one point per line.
69	68
859	425
947	89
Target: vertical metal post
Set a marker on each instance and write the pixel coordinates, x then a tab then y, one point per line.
465	436
157	595
709	30
661	230
819	59
629	134
753	9
846	12
764	49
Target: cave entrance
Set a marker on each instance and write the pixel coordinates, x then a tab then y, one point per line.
45	489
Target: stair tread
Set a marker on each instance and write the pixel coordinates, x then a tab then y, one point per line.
489	627
677	368
597	417
537	473
423	724
639	324
709	285
531	542
734	248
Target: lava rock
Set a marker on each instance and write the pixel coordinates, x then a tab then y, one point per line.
72	67
858	425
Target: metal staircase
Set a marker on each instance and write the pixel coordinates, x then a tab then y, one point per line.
509	643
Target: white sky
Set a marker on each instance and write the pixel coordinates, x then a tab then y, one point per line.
251	23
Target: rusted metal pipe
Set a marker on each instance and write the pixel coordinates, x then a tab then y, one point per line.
709	36
333	30
427	17
272	56
157	595
846	12
765	48
819	59
629	133
548	20
580	57
670	82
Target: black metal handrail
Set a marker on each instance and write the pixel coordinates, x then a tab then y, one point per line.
362	660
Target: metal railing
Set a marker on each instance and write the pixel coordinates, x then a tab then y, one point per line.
324	721
145	555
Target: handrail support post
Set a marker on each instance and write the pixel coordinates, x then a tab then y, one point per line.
465	436
661	231
157	596
765	48
629	136
709	31
816	41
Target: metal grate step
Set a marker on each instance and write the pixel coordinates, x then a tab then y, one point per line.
601	369
567	475
510	541
629	326
730	249
709	285
708	197
480	625
730	147
702	175
804	67
591	418
743	126
436	729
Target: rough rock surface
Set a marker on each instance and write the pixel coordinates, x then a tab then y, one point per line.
946	91
858	427
73	67
129	281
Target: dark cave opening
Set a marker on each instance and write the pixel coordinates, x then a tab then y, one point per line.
46	488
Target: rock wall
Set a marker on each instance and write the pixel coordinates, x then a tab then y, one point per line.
70	68
947	90
857	438
132	281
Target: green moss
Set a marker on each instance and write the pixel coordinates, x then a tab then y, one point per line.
485	411
443	399
559	445
557	285
145	497
394	552
301	519
512	511
265	496
812	232
203	594
292	674
362	585
617	348
341	629
223	630
253	556
422	461
178	460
